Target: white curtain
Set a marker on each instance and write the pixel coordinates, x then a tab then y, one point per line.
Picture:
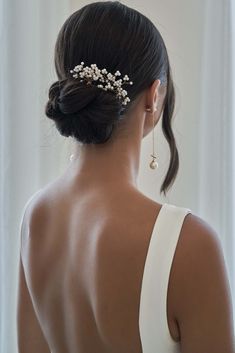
200	39
31	153
216	127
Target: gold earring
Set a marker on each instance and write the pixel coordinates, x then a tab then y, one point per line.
153	164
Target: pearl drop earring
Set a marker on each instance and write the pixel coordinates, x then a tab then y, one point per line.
153	164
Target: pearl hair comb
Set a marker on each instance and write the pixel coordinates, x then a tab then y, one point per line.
107	81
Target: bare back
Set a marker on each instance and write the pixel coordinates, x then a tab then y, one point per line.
85	268
84	262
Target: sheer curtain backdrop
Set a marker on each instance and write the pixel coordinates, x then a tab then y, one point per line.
200	37
31	153
216	130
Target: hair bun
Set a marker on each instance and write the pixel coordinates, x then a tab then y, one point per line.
83	111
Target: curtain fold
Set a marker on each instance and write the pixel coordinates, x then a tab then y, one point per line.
232	166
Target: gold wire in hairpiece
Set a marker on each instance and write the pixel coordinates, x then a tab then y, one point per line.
107	81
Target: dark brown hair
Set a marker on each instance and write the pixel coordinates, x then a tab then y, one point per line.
116	37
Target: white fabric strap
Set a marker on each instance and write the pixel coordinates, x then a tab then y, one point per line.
153	324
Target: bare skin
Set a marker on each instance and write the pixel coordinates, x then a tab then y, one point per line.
84	257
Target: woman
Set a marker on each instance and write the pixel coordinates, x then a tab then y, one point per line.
105	269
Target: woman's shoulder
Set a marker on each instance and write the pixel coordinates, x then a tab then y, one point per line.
198	242
198	235
29	204
199	278
196	232
200	285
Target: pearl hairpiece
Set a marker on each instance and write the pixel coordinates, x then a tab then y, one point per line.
108	80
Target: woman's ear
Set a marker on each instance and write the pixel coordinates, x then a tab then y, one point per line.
153	95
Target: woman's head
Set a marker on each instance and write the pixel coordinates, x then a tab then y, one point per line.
116	37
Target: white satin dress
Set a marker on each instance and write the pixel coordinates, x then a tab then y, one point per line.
154	330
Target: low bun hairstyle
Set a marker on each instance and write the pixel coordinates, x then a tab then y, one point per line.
116	37
84	112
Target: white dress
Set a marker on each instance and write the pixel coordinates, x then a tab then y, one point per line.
153	326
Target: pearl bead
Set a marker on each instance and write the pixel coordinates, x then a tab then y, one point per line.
71	157
153	164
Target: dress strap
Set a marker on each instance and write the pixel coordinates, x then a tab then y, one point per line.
153	323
